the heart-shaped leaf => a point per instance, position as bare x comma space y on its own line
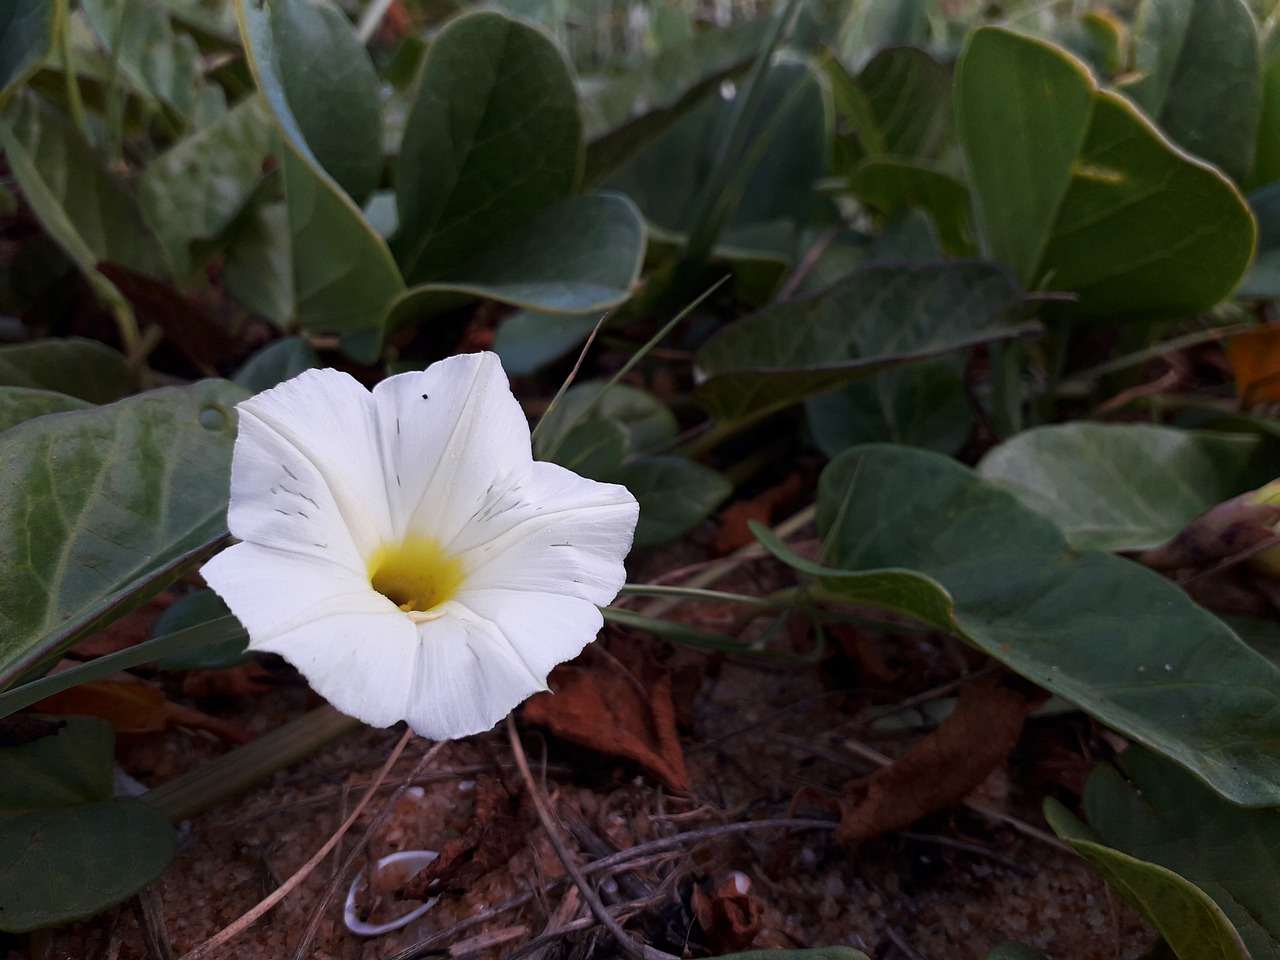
675, 495
1126, 486
879, 316
898, 105
1076, 190
106, 505
68, 849
79, 368
493, 139
1121, 642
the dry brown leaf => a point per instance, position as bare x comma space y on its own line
499, 828
130, 630
940, 770
242, 680
730, 917
135, 707
734, 532
619, 705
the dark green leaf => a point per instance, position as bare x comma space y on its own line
332, 91
26, 35
899, 104
593, 448
1126, 486
647, 421
85, 369
1263, 279
1075, 189
104, 505
200, 609
675, 495
1198, 77
1121, 642
258, 267
276, 363
493, 140
891, 185
68, 850
878, 317
527, 340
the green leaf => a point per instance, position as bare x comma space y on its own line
921, 405
594, 448
1262, 282
332, 91
202, 608
527, 341
1119, 641
86, 210
85, 369
1199, 77
646, 420
1126, 486
581, 256
879, 316
200, 185
19, 404
493, 139
1077, 191
899, 104
891, 185
344, 275
626, 112
258, 265
107, 506
27, 29
1193, 926
675, 495
276, 363
68, 850
1266, 161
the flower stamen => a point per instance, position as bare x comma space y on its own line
417, 576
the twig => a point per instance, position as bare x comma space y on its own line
248, 919
317, 914
631, 948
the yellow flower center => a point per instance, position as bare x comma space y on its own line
416, 575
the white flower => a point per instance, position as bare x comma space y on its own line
404, 550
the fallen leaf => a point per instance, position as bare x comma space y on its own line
130, 630
730, 917
940, 770
619, 705
242, 680
499, 828
135, 707
734, 532
1255, 357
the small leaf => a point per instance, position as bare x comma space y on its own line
258, 267
898, 105
493, 139
675, 495
1198, 77
879, 316
276, 363
527, 341
1075, 189
85, 369
890, 185
18, 404
593, 448
646, 420
110, 504
1126, 486
68, 850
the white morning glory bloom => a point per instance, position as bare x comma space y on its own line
404, 550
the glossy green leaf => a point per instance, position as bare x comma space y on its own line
646, 420
879, 316
921, 405
1193, 926
898, 105
594, 448
68, 849
1117, 640
1198, 77
1153, 811
332, 91
892, 185
527, 340
344, 275
493, 139
675, 495
581, 256
1077, 191
194, 190
624, 113
105, 505
19, 404
86, 210
27, 29
85, 369
276, 363
1126, 486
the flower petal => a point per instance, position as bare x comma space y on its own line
542, 629
567, 535
448, 433
310, 442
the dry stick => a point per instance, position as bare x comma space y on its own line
248, 919
300, 952
636, 951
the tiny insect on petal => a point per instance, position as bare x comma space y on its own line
411, 559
